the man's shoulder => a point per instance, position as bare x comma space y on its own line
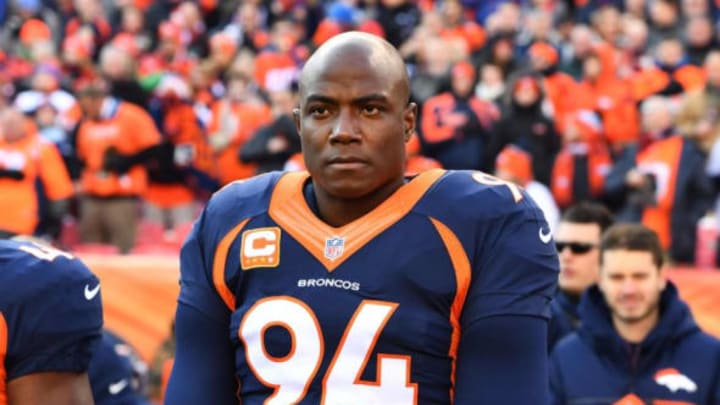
244, 198
25, 260
475, 195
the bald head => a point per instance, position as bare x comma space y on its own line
357, 47
12, 124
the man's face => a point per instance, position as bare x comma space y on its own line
90, 103
631, 284
712, 69
578, 270
353, 122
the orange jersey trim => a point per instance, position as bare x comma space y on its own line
290, 211
219, 262
3, 352
461, 266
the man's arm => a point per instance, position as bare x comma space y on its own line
50, 388
503, 360
203, 370
204, 367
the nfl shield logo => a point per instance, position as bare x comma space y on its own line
334, 247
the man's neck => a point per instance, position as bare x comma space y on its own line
338, 212
636, 332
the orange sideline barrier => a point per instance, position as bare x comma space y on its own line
139, 296
140, 292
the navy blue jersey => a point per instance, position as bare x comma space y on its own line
50, 312
372, 312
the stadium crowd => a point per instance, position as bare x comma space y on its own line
152, 106
119, 118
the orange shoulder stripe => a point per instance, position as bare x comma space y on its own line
219, 262
461, 266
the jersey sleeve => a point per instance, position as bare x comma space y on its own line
515, 270
57, 324
196, 285
201, 329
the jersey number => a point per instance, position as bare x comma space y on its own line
488, 180
44, 252
292, 374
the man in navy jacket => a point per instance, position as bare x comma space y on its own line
578, 245
637, 343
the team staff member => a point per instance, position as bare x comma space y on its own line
352, 284
26, 158
50, 323
637, 343
114, 140
578, 243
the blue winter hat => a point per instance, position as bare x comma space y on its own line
341, 13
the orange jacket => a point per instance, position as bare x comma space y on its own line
129, 129
559, 89
274, 67
242, 119
469, 32
614, 100
37, 159
563, 174
662, 159
182, 128
647, 82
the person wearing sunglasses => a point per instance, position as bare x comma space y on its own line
638, 342
577, 239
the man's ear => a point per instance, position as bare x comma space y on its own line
409, 120
296, 118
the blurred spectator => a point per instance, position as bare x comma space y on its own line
26, 20
662, 182
235, 118
612, 99
118, 67
89, 20
607, 21
278, 65
515, 165
398, 19
524, 124
457, 27
664, 21
491, 84
273, 144
500, 51
699, 39
114, 141
581, 166
248, 27
556, 85
638, 341
25, 160
457, 126
132, 23
430, 76
578, 244
184, 160
416, 161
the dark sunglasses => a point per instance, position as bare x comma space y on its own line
577, 248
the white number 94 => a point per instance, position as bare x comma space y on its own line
292, 374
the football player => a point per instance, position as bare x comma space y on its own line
50, 322
352, 284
